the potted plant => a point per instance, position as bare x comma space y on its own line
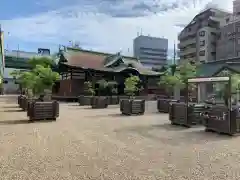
27, 81
169, 80
44, 81
101, 100
89, 92
35, 83
113, 91
132, 105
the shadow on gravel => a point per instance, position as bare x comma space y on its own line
181, 136
23, 121
74, 105
10, 107
109, 115
13, 110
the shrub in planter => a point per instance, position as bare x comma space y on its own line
100, 101
112, 88
36, 82
86, 99
132, 106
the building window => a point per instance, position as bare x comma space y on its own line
238, 41
189, 29
238, 29
202, 33
202, 43
227, 20
202, 53
238, 53
213, 34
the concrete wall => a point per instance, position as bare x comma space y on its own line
10, 87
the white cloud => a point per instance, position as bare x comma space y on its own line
95, 28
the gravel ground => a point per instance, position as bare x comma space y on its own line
100, 144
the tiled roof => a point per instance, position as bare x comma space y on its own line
103, 61
210, 69
86, 60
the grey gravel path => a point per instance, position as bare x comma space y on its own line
99, 144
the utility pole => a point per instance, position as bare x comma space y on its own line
174, 53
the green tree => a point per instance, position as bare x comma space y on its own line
44, 61
170, 80
186, 70
44, 78
132, 85
27, 81
36, 81
88, 88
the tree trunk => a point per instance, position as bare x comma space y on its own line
47, 95
176, 93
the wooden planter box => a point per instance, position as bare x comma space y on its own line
197, 113
123, 97
132, 106
85, 100
20, 100
163, 105
43, 110
99, 102
113, 100
179, 114
222, 120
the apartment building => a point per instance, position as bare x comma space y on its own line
198, 40
228, 42
151, 51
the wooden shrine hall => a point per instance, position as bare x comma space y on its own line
77, 66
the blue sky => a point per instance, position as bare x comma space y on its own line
102, 25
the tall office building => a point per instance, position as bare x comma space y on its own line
198, 40
151, 51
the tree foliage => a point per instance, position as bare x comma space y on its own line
43, 61
169, 81
88, 88
132, 85
186, 70
177, 76
38, 79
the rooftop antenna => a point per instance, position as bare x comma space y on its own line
141, 32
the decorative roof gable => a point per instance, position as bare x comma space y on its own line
102, 61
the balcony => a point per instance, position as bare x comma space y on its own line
186, 35
187, 51
187, 42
